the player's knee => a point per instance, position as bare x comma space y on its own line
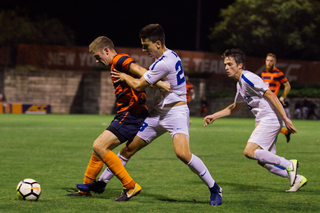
97, 146
184, 157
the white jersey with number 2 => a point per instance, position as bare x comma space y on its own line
168, 67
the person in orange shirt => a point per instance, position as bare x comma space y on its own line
131, 113
190, 92
274, 78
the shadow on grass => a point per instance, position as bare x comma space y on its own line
109, 193
167, 199
272, 189
172, 200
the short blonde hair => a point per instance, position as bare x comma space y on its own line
101, 42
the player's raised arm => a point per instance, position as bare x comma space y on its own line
229, 110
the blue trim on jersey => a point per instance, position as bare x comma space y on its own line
247, 80
155, 63
174, 53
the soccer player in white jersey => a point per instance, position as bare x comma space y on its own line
270, 117
170, 112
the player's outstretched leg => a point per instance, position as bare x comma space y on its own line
216, 195
96, 186
300, 182
129, 193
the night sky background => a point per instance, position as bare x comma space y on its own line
122, 20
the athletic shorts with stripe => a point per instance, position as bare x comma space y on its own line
169, 119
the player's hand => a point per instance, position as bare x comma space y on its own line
164, 86
281, 99
209, 119
119, 75
290, 126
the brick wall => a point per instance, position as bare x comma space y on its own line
65, 91
92, 92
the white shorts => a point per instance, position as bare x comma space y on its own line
266, 136
170, 119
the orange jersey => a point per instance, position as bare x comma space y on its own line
274, 78
189, 88
127, 98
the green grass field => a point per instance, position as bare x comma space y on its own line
55, 150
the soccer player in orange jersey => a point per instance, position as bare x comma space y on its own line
170, 112
190, 92
274, 78
131, 112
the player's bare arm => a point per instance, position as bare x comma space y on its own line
229, 110
138, 70
139, 84
286, 90
134, 83
276, 103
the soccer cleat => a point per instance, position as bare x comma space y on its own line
298, 184
129, 193
79, 194
96, 186
292, 171
216, 195
288, 136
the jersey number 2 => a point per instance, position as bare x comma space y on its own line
180, 75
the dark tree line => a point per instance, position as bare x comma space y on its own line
288, 28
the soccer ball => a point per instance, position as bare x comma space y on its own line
28, 189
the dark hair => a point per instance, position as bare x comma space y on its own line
153, 32
237, 54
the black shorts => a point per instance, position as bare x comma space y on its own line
125, 125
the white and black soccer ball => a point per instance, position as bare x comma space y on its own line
28, 189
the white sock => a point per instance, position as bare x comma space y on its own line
268, 157
107, 174
276, 170
197, 166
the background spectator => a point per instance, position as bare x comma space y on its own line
313, 106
